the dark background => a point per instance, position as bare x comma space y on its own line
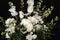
56, 12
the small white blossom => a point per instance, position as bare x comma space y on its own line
7, 36
27, 24
10, 23
31, 33
13, 11
10, 30
38, 17
33, 20
30, 9
38, 26
31, 37
21, 14
10, 3
30, 2
34, 36
35, 12
24, 32
42, 22
45, 27
30, 6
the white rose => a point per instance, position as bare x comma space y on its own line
27, 24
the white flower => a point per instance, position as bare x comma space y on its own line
21, 14
35, 12
30, 6
33, 20
27, 24
38, 17
10, 3
10, 23
7, 36
34, 36
30, 9
38, 26
31, 37
42, 22
13, 11
30, 2
29, 27
10, 30
45, 27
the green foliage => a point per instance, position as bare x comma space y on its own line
38, 5
22, 3
56, 18
47, 12
1, 19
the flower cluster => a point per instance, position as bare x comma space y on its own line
29, 22
10, 24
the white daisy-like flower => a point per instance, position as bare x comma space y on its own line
7, 36
13, 11
33, 20
27, 24
37, 26
21, 14
31, 37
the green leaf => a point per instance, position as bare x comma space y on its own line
1, 19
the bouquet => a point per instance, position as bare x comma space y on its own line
28, 25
